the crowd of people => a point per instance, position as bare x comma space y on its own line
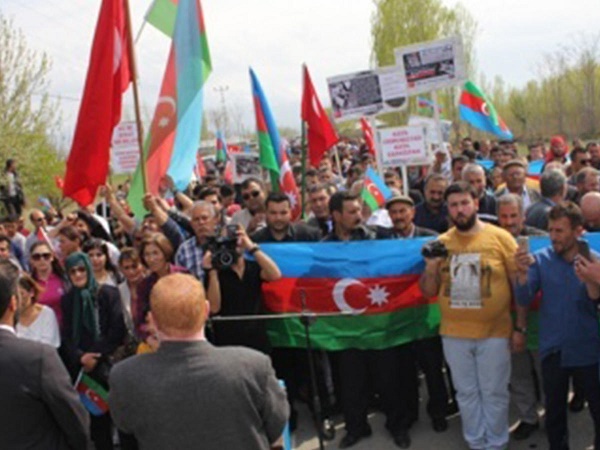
89, 279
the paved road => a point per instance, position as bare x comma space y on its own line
424, 438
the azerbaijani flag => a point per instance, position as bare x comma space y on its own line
370, 288
477, 109
221, 147
374, 191
373, 285
92, 394
272, 153
172, 142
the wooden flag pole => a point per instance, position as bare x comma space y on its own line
136, 97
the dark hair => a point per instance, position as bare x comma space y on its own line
577, 151
581, 176
391, 173
336, 202
590, 145
56, 267
9, 275
5, 238
71, 233
129, 254
569, 210
99, 244
318, 188
9, 162
355, 170
226, 190
311, 173
459, 158
28, 283
277, 197
460, 187
161, 241
207, 192
248, 181
435, 177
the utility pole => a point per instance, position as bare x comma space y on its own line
221, 90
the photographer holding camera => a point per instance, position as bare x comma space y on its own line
471, 274
241, 294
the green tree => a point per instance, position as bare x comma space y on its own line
28, 117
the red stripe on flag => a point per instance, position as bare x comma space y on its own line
373, 295
261, 123
472, 102
374, 191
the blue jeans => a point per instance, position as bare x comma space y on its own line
481, 372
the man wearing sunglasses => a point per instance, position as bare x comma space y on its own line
252, 216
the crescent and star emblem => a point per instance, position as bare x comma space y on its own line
377, 294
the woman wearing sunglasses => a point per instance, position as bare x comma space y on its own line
36, 322
93, 328
49, 275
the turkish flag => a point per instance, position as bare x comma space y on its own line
321, 134
108, 76
368, 135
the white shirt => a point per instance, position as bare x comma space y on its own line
7, 328
44, 328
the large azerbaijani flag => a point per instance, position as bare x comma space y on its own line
272, 151
478, 110
373, 285
172, 142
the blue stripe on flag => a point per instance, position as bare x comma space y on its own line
377, 181
188, 68
269, 120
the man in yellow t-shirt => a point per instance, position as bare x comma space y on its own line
473, 285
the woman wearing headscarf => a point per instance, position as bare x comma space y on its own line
93, 328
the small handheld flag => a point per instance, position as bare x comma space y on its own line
92, 394
374, 191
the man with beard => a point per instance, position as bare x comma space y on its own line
432, 213
473, 285
569, 342
359, 368
252, 216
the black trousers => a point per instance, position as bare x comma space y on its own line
101, 432
556, 389
291, 365
429, 356
363, 372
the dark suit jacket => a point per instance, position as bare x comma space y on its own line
40, 408
297, 232
191, 395
537, 214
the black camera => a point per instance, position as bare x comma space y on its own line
434, 249
224, 252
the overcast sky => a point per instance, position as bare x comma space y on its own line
276, 36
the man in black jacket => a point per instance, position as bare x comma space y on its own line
40, 408
359, 368
427, 353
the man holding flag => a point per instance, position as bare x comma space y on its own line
357, 366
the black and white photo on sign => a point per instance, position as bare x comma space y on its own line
465, 279
367, 93
434, 65
245, 165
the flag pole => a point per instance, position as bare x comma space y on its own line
303, 145
136, 98
304, 156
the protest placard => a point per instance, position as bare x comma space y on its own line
432, 65
402, 146
431, 131
125, 152
367, 93
245, 165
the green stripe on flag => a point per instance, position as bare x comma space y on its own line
162, 15
369, 199
369, 331
95, 386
